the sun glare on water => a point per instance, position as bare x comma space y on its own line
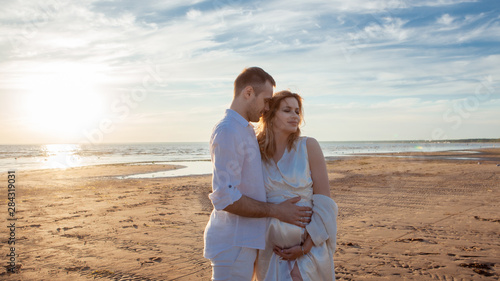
61, 156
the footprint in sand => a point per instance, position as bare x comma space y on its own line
483, 219
480, 268
408, 240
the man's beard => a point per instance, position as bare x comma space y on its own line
254, 116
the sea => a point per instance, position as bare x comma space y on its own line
194, 156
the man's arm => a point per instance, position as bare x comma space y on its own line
227, 159
286, 211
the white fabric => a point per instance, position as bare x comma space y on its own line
323, 231
234, 264
288, 178
237, 171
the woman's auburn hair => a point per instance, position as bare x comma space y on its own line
265, 134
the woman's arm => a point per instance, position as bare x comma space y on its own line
317, 165
319, 175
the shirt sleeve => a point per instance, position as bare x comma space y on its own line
227, 166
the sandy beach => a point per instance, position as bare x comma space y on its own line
414, 216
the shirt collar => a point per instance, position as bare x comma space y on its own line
236, 116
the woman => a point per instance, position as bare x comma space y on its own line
295, 166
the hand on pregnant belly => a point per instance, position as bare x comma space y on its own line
291, 210
292, 253
284, 235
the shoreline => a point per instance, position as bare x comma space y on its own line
157, 167
489, 155
68, 156
399, 218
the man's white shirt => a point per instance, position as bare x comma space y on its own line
237, 171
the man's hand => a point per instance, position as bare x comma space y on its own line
287, 211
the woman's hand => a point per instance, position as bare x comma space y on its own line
295, 252
289, 253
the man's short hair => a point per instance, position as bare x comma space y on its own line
252, 76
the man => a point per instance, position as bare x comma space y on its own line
237, 225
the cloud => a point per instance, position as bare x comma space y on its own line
193, 14
403, 103
445, 19
390, 29
383, 56
434, 3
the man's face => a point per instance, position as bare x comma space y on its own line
261, 102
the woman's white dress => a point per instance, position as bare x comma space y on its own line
288, 178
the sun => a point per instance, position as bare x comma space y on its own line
61, 105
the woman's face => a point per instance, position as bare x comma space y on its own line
287, 118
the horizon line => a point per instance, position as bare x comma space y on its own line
493, 140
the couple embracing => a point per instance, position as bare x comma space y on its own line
273, 217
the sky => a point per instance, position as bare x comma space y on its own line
96, 71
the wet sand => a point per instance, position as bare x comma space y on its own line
424, 217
